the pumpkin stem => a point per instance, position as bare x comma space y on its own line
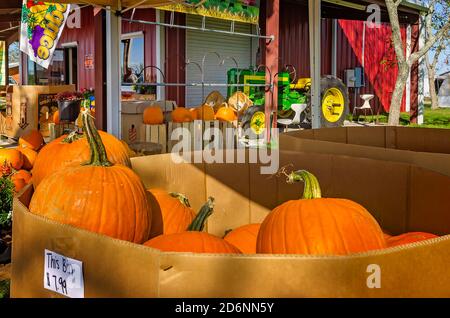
72, 136
312, 187
183, 199
199, 222
98, 151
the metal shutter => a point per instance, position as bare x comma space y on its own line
198, 43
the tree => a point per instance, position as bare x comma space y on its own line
405, 64
439, 16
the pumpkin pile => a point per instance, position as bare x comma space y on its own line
317, 226
99, 194
17, 163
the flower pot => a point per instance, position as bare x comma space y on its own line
69, 109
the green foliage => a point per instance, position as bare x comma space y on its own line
6, 201
4, 289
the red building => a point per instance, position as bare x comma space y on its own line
345, 44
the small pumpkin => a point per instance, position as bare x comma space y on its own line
153, 115
193, 112
32, 140
407, 238
205, 112
193, 240
244, 237
318, 226
23, 174
29, 157
74, 149
181, 115
12, 157
97, 195
56, 118
19, 183
226, 113
172, 212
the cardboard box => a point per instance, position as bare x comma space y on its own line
423, 147
19, 120
391, 137
401, 196
131, 116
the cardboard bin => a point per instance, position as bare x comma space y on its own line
424, 147
401, 196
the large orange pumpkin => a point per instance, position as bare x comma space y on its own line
205, 112
244, 238
153, 115
407, 238
29, 157
56, 118
181, 115
193, 240
74, 149
32, 140
226, 113
12, 157
172, 212
319, 226
97, 196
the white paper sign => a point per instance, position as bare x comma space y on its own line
63, 275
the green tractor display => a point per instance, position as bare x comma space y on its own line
334, 97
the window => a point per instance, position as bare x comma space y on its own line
54, 75
132, 59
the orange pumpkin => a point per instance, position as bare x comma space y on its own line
408, 238
318, 226
32, 140
193, 240
12, 157
205, 112
22, 174
98, 196
193, 112
181, 115
56, 118
19, 183
226, 113
73, 149
244, 238
172, 212
29, 157
153, 115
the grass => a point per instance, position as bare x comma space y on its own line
433, 118
4, 289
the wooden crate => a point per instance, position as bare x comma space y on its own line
156, 134
57, 130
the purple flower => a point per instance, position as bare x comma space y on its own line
38, 33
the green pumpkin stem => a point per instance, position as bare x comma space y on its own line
181, 197
98, 151
71, 137
312, 187
199, 222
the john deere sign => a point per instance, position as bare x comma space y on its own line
236, 10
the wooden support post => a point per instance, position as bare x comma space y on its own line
314, 49
100, 68
271, 98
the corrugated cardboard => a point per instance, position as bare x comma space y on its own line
401, 138
367, 145
396, 193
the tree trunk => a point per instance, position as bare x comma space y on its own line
397, 95
433, 93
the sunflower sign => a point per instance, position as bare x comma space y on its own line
42, 25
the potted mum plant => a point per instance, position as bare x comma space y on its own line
69, 104
6, 202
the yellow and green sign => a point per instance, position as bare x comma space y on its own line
246, 11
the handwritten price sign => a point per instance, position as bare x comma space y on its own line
63, 275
